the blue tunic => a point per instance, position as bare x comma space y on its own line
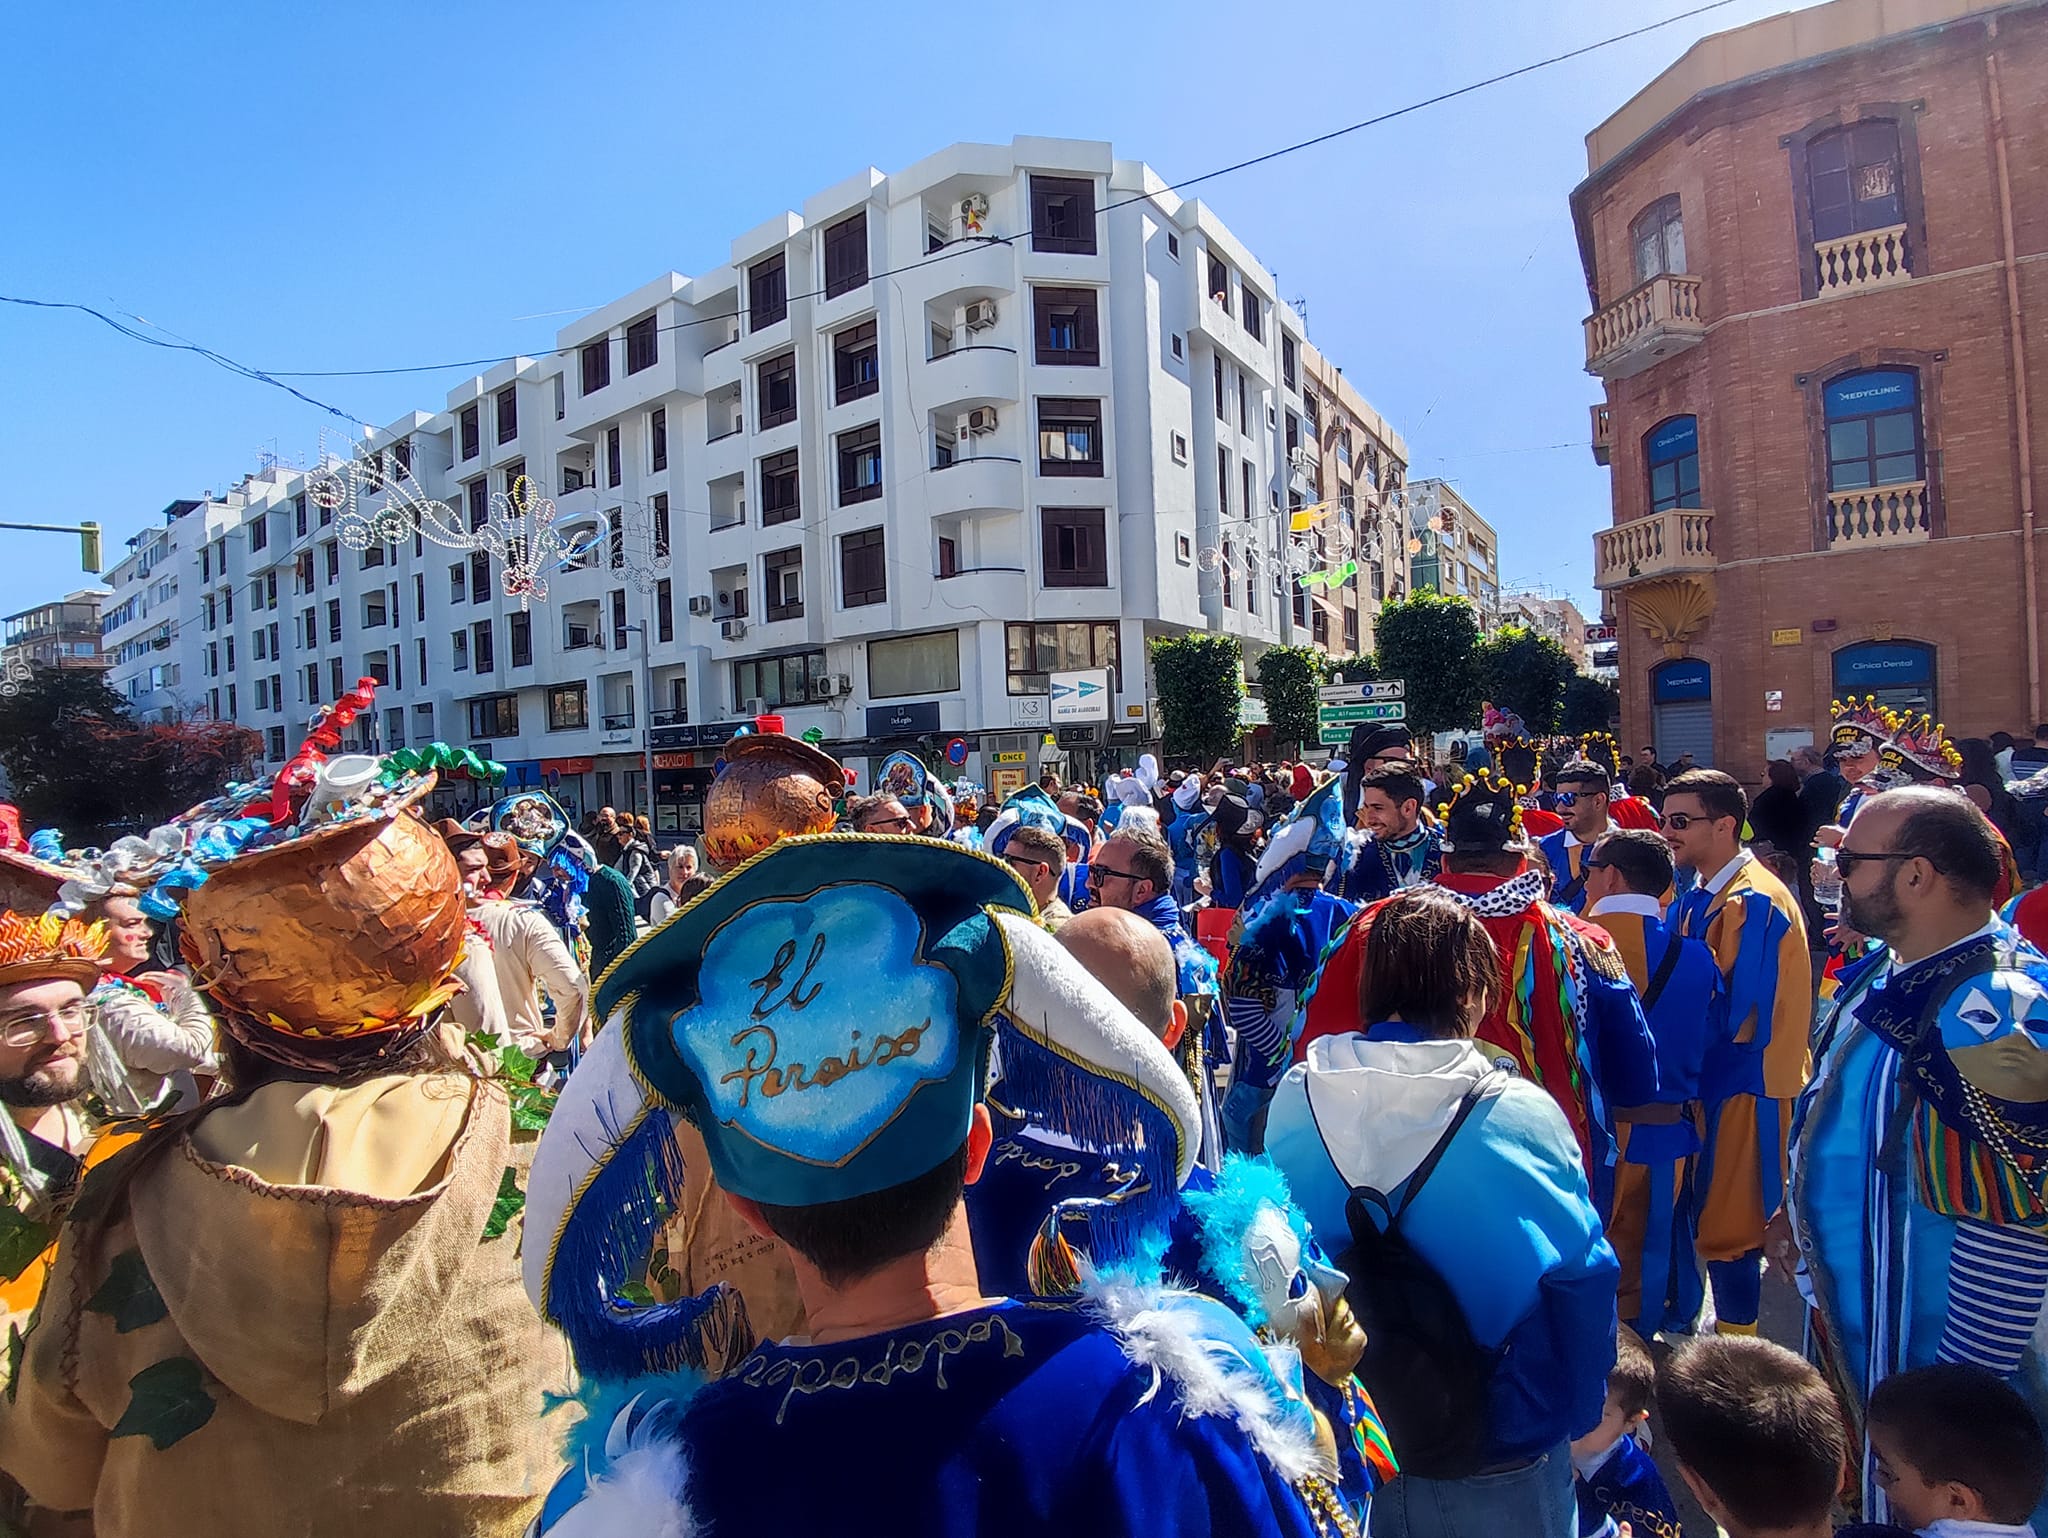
1379, 869
1626, 1488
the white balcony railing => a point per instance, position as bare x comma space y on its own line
1664, 544
1878, 517
1648, 323
1868, 259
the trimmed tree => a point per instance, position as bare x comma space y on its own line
1428, 641
1359, 668
1590, 705
1525, 672
1290, 676
1199, 680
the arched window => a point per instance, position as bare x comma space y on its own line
1671, 450
1658, 239
1874, 434
1854, 181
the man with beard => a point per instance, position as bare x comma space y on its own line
1401, 848
1919, 1213
1583, 790
1748, 1083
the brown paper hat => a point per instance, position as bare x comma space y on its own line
772, 786
346, 930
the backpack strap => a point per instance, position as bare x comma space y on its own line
1665, 967
1480, 1089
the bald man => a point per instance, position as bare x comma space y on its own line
1132, 960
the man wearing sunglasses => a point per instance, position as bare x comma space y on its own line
1041, 859
1582, 795
1930, 1078
1755, 929
879, 814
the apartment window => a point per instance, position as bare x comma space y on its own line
302, 573
568, 707
618, 619
614, 469
1178, 442
1074, 547
856, 367
520, 626
775, 681
1069, 437
1228, 569
259, 532
423, 722
767, 292
333, 571
909, 665
664, 610
401, 457
846, 255
643, 344
1063, 214
863, 569
312, 683
231, 654
779, 493
1035, 651
1853, 179
1063, 327
1219, 284
657, 438
1244, 411
458, 644
860, 464
420, 656
1657, 237
1251, 581
783, 574
334, 677
1253, 309
661, 525
1289, 363
1671, 450
479, 492
479, 576
1874, 433
277, 738
1223, 483
271, 632
458, 584
596, 358
1319, 625
508, 413
299, 517
482, 646
334, 619
227, 603
231, 702
561, 398
419, 595
775, 389
373, 555
1179, 351
1173, 245
472, 438
616, 542
374, 612
1249, 503
1222, 413
309, 626
949, 557
495, 715
378, 667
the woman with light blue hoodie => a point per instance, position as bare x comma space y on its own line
1502, 1216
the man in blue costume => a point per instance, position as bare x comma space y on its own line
1918, 1200
1284, 928
1401, 848
1679, 984
846, 1119
1582, 794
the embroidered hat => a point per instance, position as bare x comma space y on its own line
1921, 748
1482, 816
1030, 807
825, 1016
904, 777
533, 817
40, 947
1369, 741
1859, 724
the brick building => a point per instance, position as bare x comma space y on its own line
1814, 248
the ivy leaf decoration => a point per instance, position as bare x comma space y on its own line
17, 1346
22, 1240
510, 1200
167, 1403
128, 1296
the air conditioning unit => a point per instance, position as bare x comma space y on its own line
733, 630
821, 689
981, 420
701, 605
833, 686
981, 314
973, 211
841, 684
755, 706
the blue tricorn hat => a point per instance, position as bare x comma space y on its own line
905, 777
825, 1016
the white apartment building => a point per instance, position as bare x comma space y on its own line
1014, 410
150, 650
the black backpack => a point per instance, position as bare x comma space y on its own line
1422, 1367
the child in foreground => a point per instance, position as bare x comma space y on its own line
1958, 1455
1757, 1434
1616, 1481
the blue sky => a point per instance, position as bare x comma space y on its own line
323, 187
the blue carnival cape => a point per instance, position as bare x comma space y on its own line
1919, 1193
1271, 966
1379, 868
1626, 1488
1139, 1412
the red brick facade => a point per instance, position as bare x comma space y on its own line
1735, 156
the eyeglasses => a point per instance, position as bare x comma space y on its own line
1023, 863
1846, 860
1097, 874
30, 1027
1678, 822
1586, 865
885, 824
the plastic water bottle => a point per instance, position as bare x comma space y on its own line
1827, 887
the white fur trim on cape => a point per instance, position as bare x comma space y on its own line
639, 1496
1210, 1375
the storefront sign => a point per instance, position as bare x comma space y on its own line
904, 720
1880, 390
1689, 678
1013, 758
1081, 696
1774, 699
672, 737
1676, 438
567, 765
1789, 637
675, 760
1883, 665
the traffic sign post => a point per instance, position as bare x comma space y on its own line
1358, 694
1342, 708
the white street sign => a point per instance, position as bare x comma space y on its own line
1358, 694
1081, 696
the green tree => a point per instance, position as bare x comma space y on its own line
1590, 705
1200, 684
1290, 676
1428, 642
1359, 668
1525, 672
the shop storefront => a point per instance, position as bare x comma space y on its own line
1682, 710
1899, 673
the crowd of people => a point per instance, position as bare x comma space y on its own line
1368, 1146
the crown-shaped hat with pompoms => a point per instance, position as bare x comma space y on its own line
1482, 815
1859, 724
1921, 746
1601, 748
40, 947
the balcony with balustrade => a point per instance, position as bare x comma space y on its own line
1603, 433
1651, 322
1673, 543
1878, 517
1866, 259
